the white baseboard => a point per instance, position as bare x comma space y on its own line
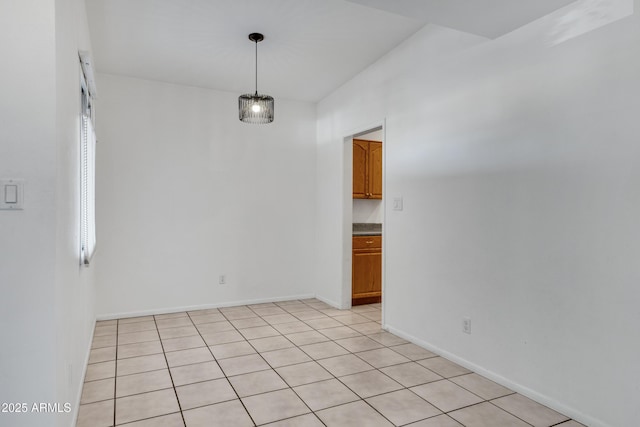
328, 301
110, 316
76, 407
525, 391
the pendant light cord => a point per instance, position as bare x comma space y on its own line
255, 108
256, 67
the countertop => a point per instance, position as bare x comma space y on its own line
367, 229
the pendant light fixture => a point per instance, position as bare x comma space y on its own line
255, 108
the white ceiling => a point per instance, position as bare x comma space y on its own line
488, 18
311, 47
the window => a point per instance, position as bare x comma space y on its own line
87, 165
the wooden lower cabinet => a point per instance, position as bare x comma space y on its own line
366, 271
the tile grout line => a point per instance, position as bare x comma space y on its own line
219, 367
164, 354
329, 372
298, 347
403, 387
225, 374
514, 415
278, 373
329, 340
215, 359
334, 376
289, 387
373, 368
173, 386
313, 359
115, 378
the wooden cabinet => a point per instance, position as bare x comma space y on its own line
375, 170
366, 271
367, 169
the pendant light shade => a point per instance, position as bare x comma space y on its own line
256, 108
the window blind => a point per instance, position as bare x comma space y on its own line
87, 173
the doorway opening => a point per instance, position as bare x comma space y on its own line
363, 191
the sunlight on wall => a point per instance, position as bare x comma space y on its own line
587, 15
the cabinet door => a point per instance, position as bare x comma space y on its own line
360, 149
367, 274
375, 170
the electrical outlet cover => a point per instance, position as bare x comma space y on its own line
466, 325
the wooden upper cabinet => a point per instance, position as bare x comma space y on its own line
375, 170
360, 165
367, 169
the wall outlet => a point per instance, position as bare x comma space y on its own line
222, 280
466, 325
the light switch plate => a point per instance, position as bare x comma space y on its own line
11, 194
397, 203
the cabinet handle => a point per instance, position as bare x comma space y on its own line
369, 241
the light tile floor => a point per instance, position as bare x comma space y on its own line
291, 363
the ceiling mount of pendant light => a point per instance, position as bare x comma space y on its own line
255, 108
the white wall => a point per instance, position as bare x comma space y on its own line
518, 162
186, 192
74, 284
368, 211
27, 246
46, 304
